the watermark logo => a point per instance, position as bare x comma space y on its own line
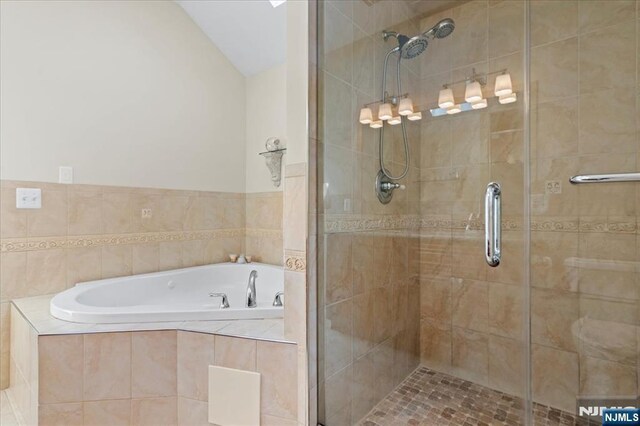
611, 411
623, 416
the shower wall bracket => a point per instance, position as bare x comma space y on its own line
273, 160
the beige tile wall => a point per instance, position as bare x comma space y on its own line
584, 303
86, 232
297, 290
264, 217
472, 315
585, 300
583, 61
138, 378
367, 252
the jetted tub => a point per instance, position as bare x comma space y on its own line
177, 295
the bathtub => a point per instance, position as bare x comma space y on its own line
177, 295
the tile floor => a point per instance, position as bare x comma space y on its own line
7, 418
430, 398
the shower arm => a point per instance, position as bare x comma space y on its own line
404, 130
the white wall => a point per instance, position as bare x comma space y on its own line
128, 93
266, 117
297, 82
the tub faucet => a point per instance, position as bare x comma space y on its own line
251, 290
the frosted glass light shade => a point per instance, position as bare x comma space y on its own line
482, 103
376, 124
503, 85
508, 99
454, 110
395, 120
405, 107
384, 113
445, 98
415, 116
366, 116
473, 92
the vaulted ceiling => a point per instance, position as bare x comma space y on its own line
250, 33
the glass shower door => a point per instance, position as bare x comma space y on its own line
414, 325
584, 239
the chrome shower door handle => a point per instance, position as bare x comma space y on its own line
492, 224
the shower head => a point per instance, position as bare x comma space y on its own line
442, 29
412, 47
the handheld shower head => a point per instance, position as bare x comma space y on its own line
411, 47
442, 29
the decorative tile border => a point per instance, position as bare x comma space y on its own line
46, 243
295, 261
263, 233
360, 223
353, 223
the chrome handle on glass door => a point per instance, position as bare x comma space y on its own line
492, 224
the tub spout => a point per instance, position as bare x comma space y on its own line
251, 290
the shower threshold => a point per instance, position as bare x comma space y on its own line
430, 398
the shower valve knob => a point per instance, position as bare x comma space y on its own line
387, 186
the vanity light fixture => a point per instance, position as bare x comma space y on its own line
473, 97
508, 99
473, 92
405, 107
385, 112
503, 85
482, 103
366, 116
395, 120
454, 109
445, 98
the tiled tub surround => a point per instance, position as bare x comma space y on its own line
86, 232
264, 219
156, 377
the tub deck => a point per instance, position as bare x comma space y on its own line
36, 311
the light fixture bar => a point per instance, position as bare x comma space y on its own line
388, 99
480, 78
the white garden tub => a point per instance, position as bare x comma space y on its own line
177, 295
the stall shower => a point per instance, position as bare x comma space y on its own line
490, 274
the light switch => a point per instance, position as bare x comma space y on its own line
65, 174
28, 198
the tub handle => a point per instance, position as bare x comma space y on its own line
224, 304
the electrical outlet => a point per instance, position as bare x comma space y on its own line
553, 187
146, 214
28, 198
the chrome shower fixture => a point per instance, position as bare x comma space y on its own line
411, 47
442, 29
407, 48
